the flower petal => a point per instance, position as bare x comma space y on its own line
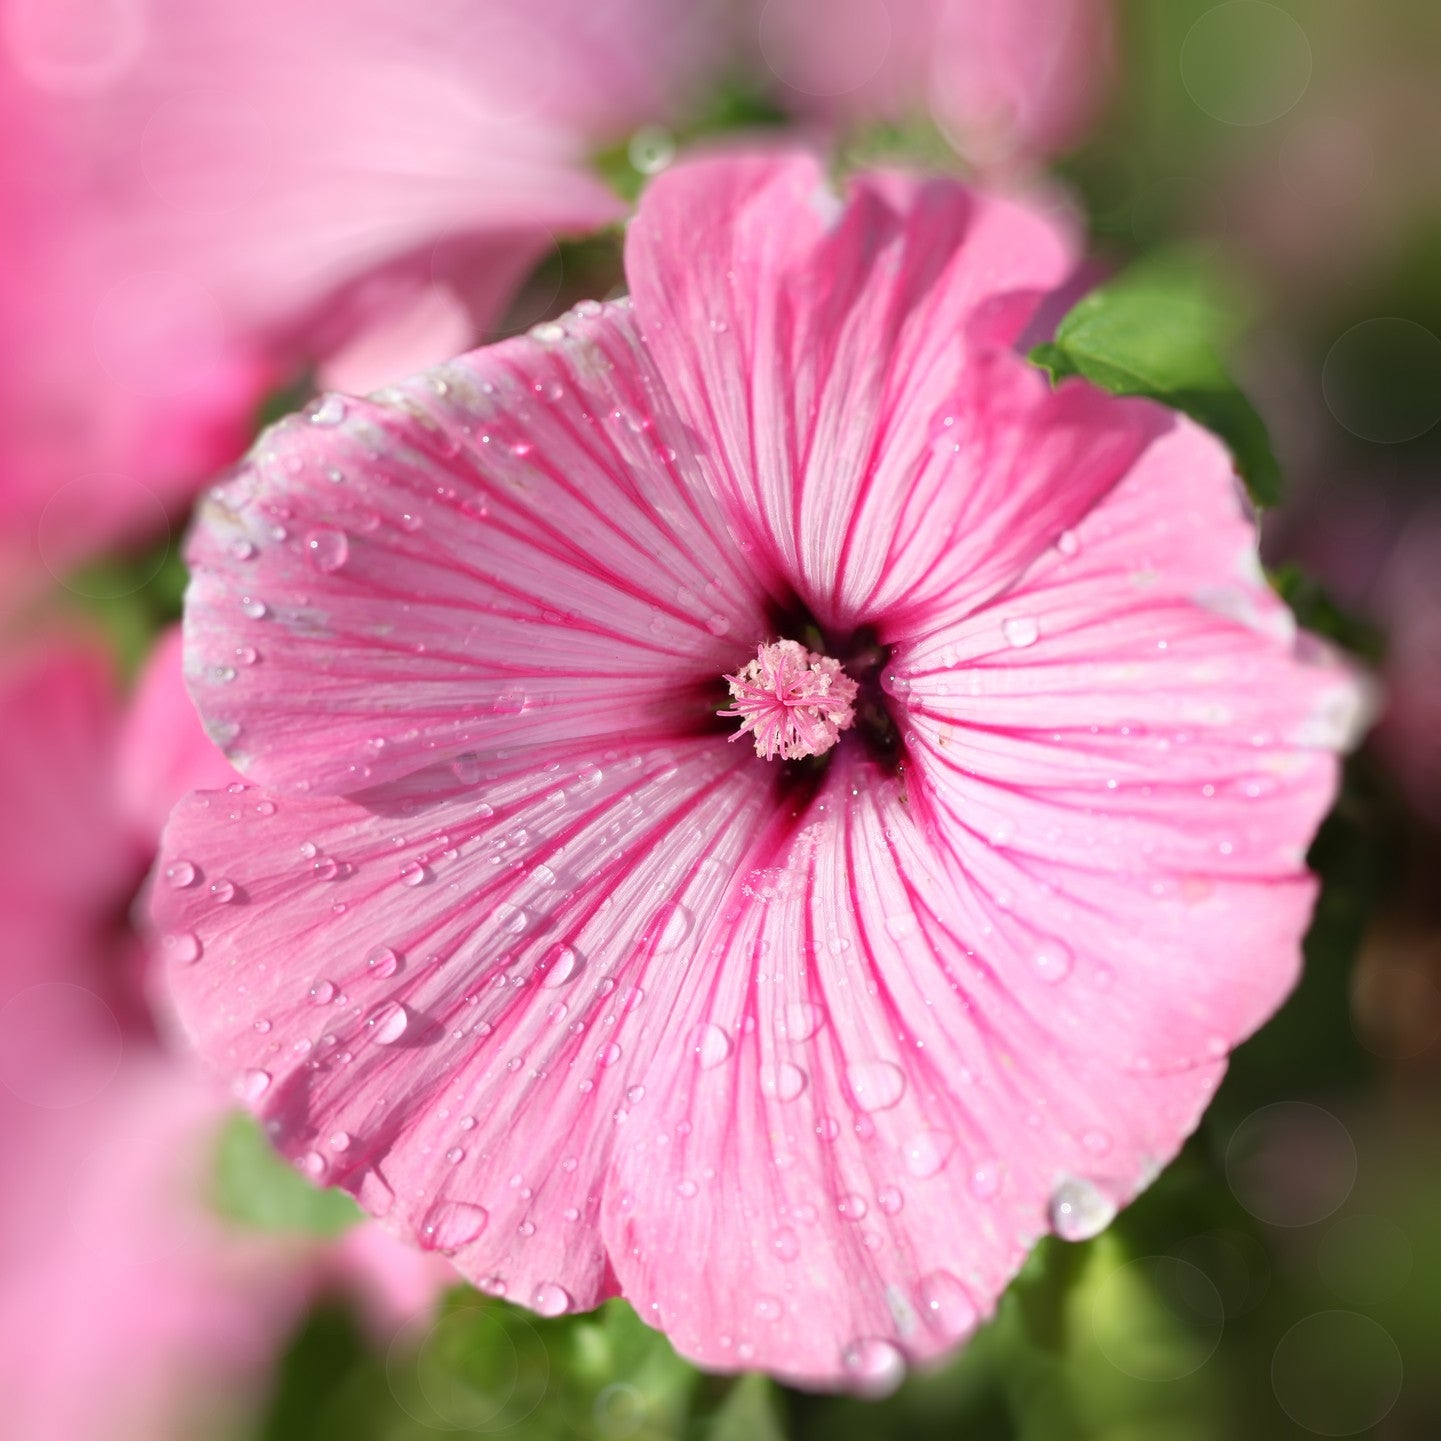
902, 1104
518, 548
443, 996
817, 343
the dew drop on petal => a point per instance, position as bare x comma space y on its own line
985, 1181
449, 1225
786, 1244
712, 1045
222, 891
179, 874
671, 926
252, 1085
876, 1366
550, 1299
559, 965
876, 1085
382, 963
510, 918
1080, 1210
927, 1152
1020, 630
946, 1305
388, 1023
328, 410
891, 1200
1052, 960
783, 1081
182, 947
327, 548
322, 993
801, 1020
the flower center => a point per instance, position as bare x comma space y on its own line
794, 702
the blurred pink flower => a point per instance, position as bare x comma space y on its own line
198, 201
1006, 80
799, 1057
128, 1310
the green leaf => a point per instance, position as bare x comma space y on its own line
1159, 331
749, 1412
255, 1187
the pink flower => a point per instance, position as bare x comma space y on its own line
1005, 80
801, 1057
129, 1310
198, 202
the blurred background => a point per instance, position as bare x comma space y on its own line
209, 209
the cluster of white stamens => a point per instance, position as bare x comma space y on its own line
794, 702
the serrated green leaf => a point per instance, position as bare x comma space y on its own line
1158, 331
255, 1187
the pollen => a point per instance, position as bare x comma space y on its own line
793, 702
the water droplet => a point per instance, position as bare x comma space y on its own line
1020, 630
510, 918
927, 1152
712, 1045
550, 1299
1080, 1210
252, 1085
179, 874
876, 1365
1052, 959
388, 1023
449, 1225
327, 548
1068, 543
609, 1054
786, 1244
801, 1020
784, 1081
985, 1180
946, 1305
253, 607
901, 925
182, 947
768, 1308
412, 873
671, 926
340, 1141
382, 963
890, 1200
222, 891
876, 1085
559, 965
242, 550
328, 410
853, 1207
